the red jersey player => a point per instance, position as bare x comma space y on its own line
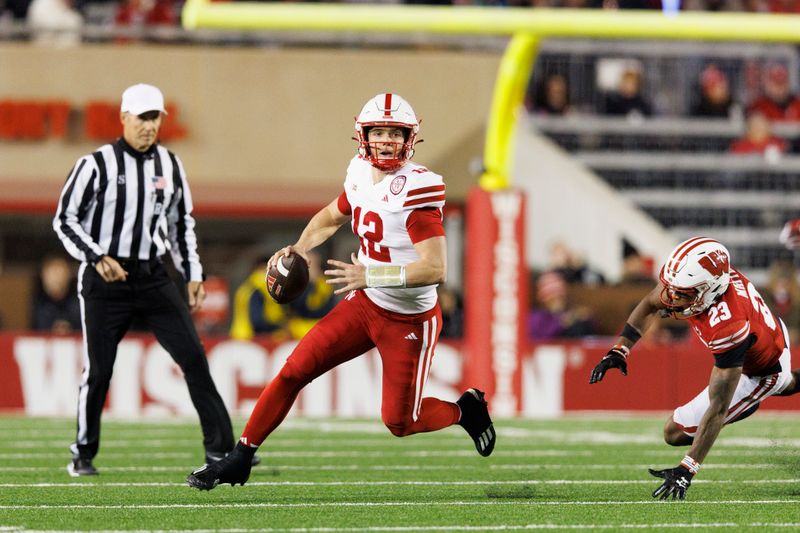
394, 207
749, 344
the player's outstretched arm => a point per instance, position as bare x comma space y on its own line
721, 386
638, 321
318, 230
677, 480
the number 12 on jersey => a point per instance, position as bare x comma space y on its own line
372, 234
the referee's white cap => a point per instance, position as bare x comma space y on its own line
141, 98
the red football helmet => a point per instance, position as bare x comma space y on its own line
695, 274
387, 110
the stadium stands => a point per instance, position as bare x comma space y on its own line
676, 167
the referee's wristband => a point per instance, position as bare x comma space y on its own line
386, 276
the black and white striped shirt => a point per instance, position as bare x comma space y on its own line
129, 204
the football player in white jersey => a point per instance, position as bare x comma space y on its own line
394, 207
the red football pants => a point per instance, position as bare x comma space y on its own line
406, 345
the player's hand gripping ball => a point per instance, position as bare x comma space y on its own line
288, 278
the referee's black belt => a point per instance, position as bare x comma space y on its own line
135, 267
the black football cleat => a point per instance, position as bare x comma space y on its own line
233, 468
476, 420
80, 466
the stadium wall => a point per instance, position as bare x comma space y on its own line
41, 376
253, 116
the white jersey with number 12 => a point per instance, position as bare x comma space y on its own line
381, 214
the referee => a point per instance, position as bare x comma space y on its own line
121, 209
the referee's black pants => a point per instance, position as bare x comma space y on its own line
107, 310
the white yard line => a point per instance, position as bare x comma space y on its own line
392, 468
706, 466
79, 484
499, 527
389, 453
540, 438
141, 455
277, 452
457, 503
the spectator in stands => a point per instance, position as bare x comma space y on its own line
635, 267
54, 23
16, 9
758, 139
140, 14
314, 303
256, 313
715, 96
572, 267
550, 97
574, 4
783, 6
782, 295
628, 99
452, 312
790, 234
254, 310
777, 103
55, 305
631, 4
554, 316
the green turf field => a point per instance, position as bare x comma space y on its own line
345, 475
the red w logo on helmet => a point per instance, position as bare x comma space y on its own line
716, 262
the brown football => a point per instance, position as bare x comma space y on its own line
288, 278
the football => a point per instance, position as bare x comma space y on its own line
288, 278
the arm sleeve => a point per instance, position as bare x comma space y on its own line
425, 223
73, 204
181, 226
735, 356
344, 204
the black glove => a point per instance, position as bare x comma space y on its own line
615, 358
676, 482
